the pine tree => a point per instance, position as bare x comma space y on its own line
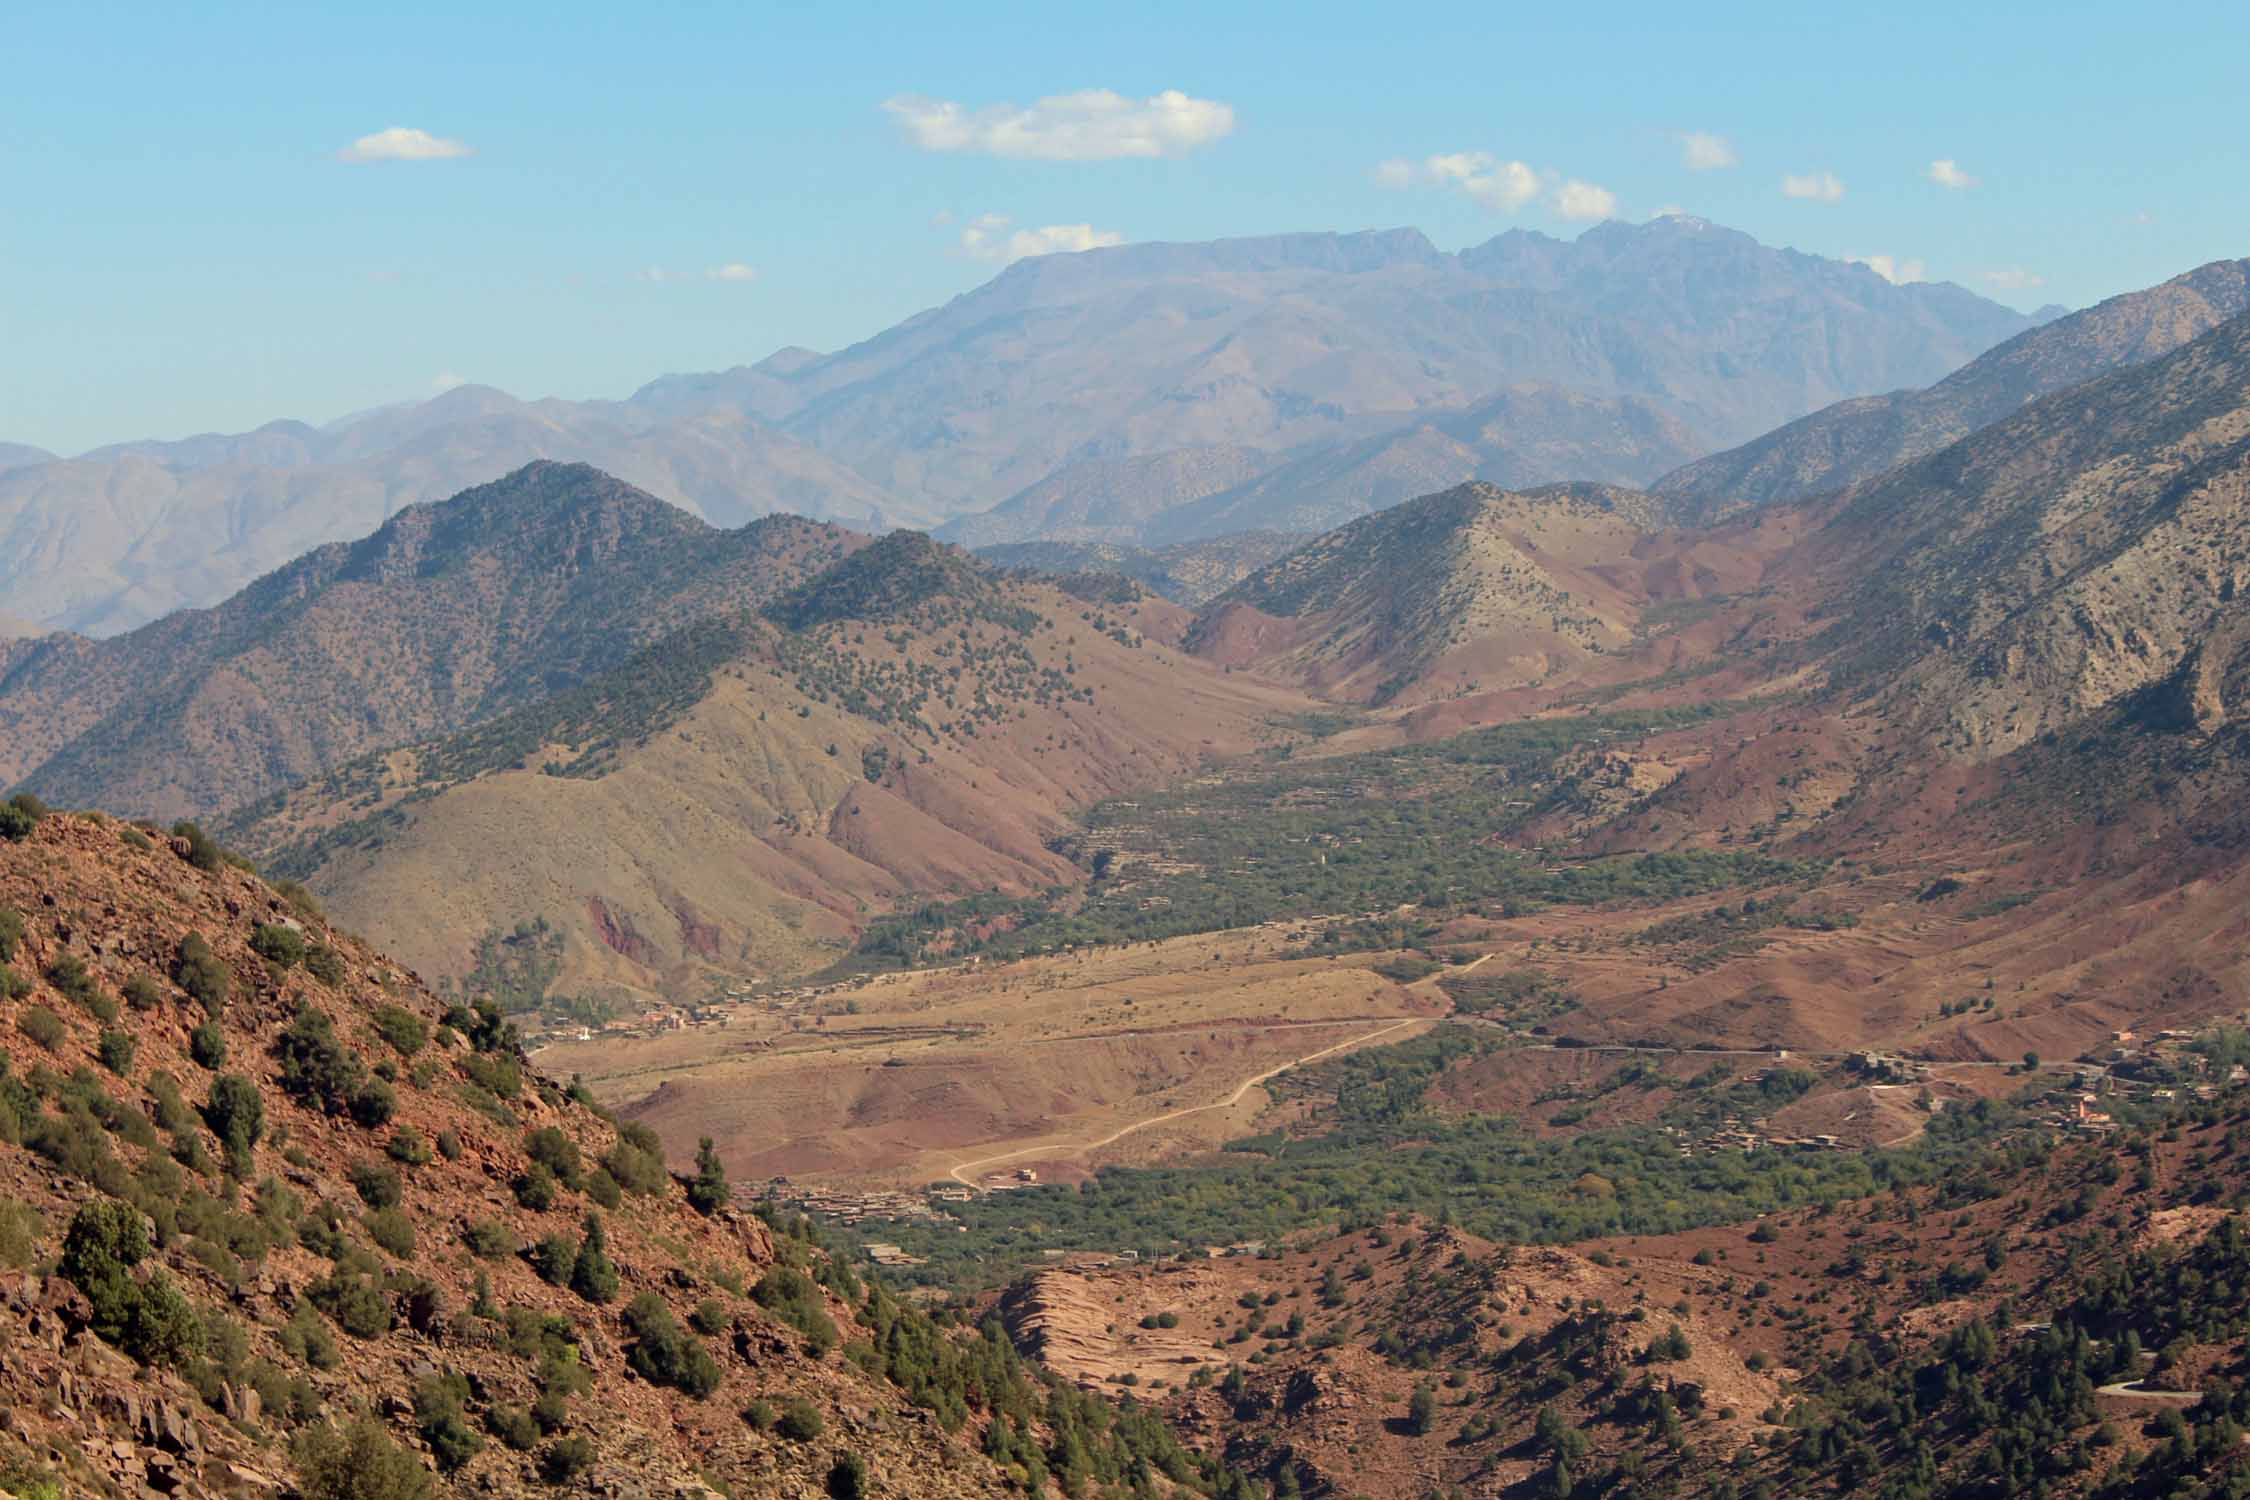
708, 1192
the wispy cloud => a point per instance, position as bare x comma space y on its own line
403, 143
1893, 269
989, 237
1503, 185
1701, 151
2013, 279
1089, 125
1947, 173
733, 270
1583, 200
1820, 187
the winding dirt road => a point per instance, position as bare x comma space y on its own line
960, 1172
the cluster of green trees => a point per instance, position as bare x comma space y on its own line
1387, 1154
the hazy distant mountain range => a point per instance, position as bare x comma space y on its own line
1287, 383
1858, 439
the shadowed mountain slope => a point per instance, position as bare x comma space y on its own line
449, 614
1859, 439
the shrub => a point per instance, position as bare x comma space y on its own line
513, 1426
207, 1046
565, 1459
373, 1104
554, 1258
71, 981
535, 1188
143, 993
11, 932
489, 1239
16, 823
438, 1417
359, 1462
603, 1188
43, 1026
709, 1316
407, 1147
202, 852
707, 1191
449, 1144
163, 1329
593, 1275
21, 1231
149, 1320
279, 945
355, 1302
116, 1050
306, 1338
801, 1421
377, 1185
555, 1151
407, 1032
326, 965
638, 1169
392, 1230
316, 1068
663, 1353
236, 1113
13, 986
197, 970
761, 1415
847, 1478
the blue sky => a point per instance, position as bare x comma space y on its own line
650, 188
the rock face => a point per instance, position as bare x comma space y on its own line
2061, 560
1856, 440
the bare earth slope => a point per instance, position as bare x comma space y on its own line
906, 724
447, 615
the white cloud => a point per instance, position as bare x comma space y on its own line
1505, 186
1821, 187
1701, 151
2014, 279
402, 143
656, 273
1089, 125
1892, 269
733, 270
1947, 173
987, 237
1583, 200
447, 382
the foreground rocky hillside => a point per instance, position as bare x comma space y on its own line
276, 1220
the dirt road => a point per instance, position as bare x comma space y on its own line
959, 1173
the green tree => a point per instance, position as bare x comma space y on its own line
593, 1275
236, 1113
707, 1192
